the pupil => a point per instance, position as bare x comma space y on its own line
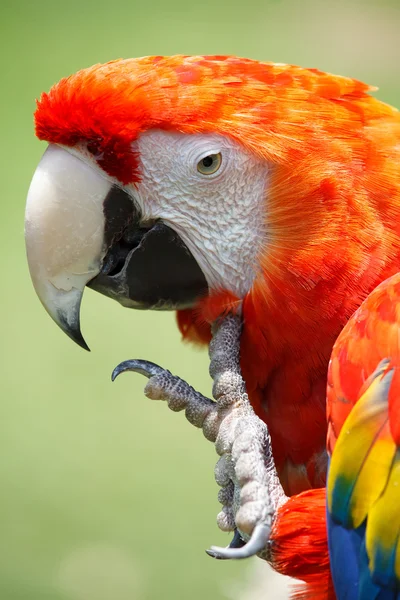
208, 161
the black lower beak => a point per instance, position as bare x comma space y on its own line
147, 265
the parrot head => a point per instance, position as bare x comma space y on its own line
138, 195
170, 180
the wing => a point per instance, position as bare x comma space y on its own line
363, 491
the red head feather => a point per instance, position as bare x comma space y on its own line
252, 102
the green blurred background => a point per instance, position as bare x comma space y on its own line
105, 495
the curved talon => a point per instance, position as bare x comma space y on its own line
214, 554
144, 367
236, 542
256, 543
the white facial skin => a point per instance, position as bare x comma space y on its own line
220, 217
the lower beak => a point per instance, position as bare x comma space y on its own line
80, 230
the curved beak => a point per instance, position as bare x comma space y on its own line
81, 229
64, 233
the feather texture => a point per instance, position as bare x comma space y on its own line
363, 493
299, 546
332, 210
364, 475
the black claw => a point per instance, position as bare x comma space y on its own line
144, 367
237, 540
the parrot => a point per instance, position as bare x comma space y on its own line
210, 185
351, 529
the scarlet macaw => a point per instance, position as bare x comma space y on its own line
205, 183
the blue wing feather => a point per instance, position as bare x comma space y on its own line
349, 565
344, 552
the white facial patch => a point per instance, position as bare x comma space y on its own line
219, 216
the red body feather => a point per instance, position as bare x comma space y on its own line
332, 211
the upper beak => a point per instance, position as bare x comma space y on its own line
81, 229
64, 233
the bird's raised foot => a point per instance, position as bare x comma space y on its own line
250, 490
179, 395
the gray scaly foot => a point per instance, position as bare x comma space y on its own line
250, 489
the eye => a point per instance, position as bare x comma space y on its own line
209, 164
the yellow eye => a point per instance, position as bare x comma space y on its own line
209, 164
